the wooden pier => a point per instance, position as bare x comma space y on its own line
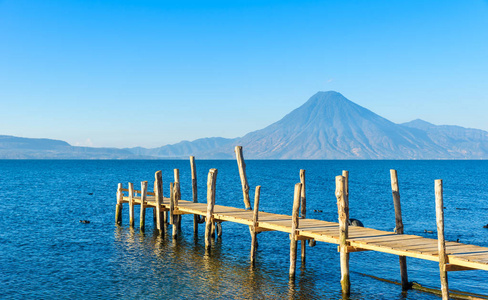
451, 256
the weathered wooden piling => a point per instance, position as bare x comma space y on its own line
443, 259
294, 228
142, 216
171, 204
255, 216
158, 195
211, 183
131, 204
343, 211
178, 194
242, 173
303, 210
395, 190
118, 206
176, 218
194, 192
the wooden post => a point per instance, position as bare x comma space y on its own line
294, 227
211, 182
118, 206
171, 204
343, 211
254, 240
443, 259
176, 218
142, 217
158, 195
345, 174
195, 192
395, 190
242, 173
177, 195
131, 204
303, 210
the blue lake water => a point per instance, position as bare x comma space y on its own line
46, 253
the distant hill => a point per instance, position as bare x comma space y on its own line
210, 148
327, 126
12, 147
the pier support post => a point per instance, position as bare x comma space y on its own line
343, 211
254, 238
171, 204
303, 211
176, 218
142, 217
242, 173
211, 182
177, 195
443, 259
395, 190
118, 206
294, 228
194, 192
131, 204
158, 195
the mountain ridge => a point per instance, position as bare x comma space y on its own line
326, 126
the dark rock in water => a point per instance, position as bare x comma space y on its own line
90, 194
486, 226
355, 222
85, 221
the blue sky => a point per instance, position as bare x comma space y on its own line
148, 73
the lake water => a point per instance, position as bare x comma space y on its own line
46, 253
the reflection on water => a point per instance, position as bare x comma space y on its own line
182, 266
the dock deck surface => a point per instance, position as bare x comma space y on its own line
460, 256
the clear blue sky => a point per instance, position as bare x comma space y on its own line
148, 73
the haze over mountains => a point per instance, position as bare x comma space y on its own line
327, 126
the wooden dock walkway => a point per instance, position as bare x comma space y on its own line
360, 239
452, 256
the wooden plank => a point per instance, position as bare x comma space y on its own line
118, 206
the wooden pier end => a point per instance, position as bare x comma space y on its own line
142, 217
303, 211
118, 206
254, 238
211, 183
343, 211
194, 193
395, 190
242, 173
294, 228
443, 259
